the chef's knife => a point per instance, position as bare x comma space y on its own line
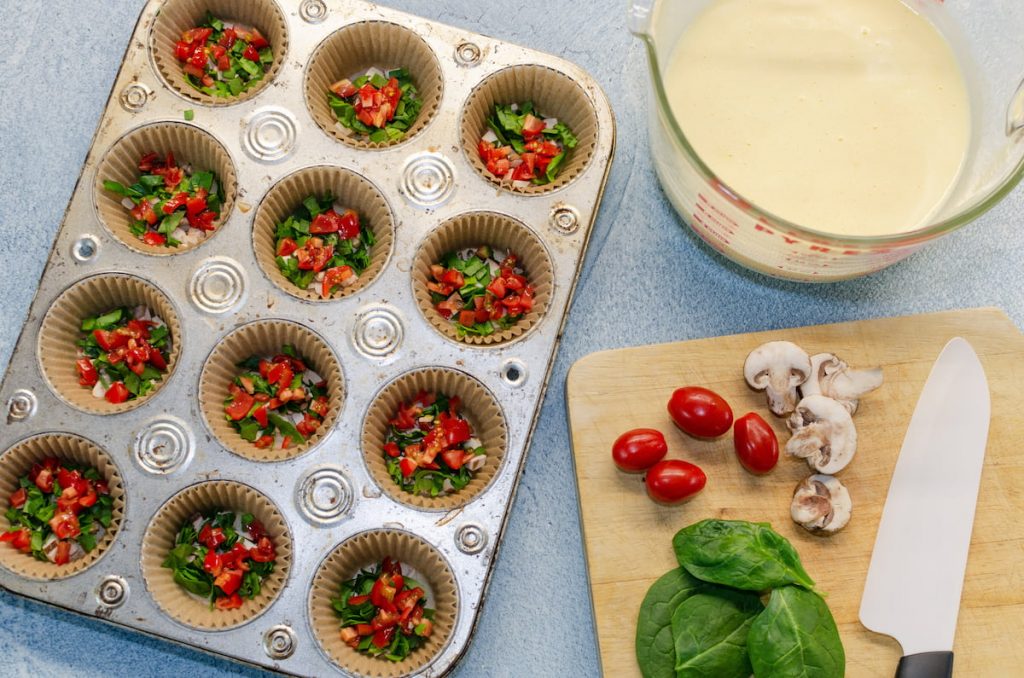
917, 568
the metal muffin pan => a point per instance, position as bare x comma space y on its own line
327, 494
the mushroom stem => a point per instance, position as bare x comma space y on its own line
821, 504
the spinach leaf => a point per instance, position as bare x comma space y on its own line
710, 630
655, 647
743, 555
796, 636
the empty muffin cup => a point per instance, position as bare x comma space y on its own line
355, 49
350, 191
62, 328
554, 95
478, 406
19, 459
265, 339
159, 539
178, 16
190, 146
501, 232
419, 560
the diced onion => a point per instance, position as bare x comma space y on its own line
476, 462
128, 204
490, 137
550, 122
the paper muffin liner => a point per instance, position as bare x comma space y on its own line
363, 551
479, 407
266, 338
501, 232
159, 538
350, 190
17, 461
555, 95
351, 51
190, 145
61, 330
178, 16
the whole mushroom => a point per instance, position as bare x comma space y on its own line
821, 504
823, 434
778, 368
833, 378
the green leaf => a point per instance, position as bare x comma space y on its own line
552, 170
194, 581
655, 647
287, 428
190, 115
120, 189
796, 637
743, 555
710, 630
249, 429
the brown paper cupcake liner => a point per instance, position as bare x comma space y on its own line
190, 145
266, 338
479, 407
178, 16
499, 231
553, 94
159, 539
61, 329
17, 461
363, 551
354, 49
350, 190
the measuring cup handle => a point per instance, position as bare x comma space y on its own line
640, 13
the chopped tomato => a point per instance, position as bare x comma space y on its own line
241, 403
383, 592
257, 40
454, 459
280, 374
467, 318
154, 239
325, 222
350, 636
203, 221
211, 537
65, 525
144, 212
256, 530
308, 425
87, 374
195, 205
232, 602
407, 466
173, 177
108, 341
117, 393
229, 581
349, 225
260, 414
286, 247
20, 539
358, 600
342, 276
264, 551
532, 127
156, 359
263, 442
18, 498
320, 406
383, 637
213, 563
343, 88
63, 554
391, 449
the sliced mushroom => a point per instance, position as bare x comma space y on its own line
823, 434
832, 377
821, 504
778, 368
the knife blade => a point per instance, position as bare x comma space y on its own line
913, 587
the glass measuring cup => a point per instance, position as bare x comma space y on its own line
992, 57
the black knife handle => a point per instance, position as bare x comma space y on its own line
926, 665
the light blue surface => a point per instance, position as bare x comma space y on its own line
646, 280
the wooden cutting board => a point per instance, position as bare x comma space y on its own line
629, 538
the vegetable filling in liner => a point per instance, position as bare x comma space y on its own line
500, 232
350, 191
553, 94
160, 536
363, 551
178, 16
19, 459
478, 406
190, 146
265, 339
351, 52
62, 328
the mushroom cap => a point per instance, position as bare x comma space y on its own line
821, 504
778, 368
823, 434
832, 377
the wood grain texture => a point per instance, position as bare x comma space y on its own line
628, 537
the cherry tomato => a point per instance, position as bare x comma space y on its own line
673, 480
756, 444
638, 450
700, 412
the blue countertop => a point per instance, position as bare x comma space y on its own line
55, 76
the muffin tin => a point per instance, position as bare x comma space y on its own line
334, 507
